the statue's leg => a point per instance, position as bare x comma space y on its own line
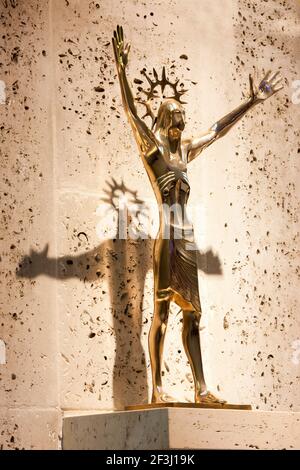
156, 344
191, 342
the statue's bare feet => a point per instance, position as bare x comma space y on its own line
162, 397
208, 398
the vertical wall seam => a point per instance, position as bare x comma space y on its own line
52, 74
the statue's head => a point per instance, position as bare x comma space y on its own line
170, 118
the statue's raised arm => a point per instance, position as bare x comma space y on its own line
271, 83
143, 135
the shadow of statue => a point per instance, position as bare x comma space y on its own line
124, 264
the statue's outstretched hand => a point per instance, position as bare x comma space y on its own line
271, 83
121, 51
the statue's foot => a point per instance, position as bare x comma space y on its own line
208, 398
162, 398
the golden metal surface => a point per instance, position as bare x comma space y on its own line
165, 155
222, 406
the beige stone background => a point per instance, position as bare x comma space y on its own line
74, 319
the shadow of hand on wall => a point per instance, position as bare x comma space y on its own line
124, 264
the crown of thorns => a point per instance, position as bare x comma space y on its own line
152, 92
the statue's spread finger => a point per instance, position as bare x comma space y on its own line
267, 76
277, 88
277, 81
120, 33
273, 75
117, 34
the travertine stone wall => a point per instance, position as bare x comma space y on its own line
29, 414
75, 318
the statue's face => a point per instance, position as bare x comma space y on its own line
177, 123
178, 119
171, 118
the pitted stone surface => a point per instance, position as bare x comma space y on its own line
75, 319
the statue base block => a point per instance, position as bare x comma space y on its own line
182, 427
219, 406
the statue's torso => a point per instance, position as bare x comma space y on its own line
168, 176
175, 261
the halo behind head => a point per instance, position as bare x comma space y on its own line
151, 93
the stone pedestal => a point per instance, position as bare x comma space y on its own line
182, 428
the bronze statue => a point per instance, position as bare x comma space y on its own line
165, 155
